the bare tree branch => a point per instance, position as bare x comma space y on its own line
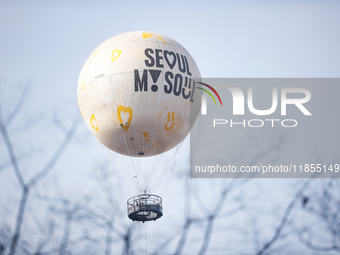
61, 127
19, 104
184, 234
57, 155
19, 220
162, 246
66, 233
325, 205
108, 239
127, 242
8, 163
212, 217
41, 174
2, 249
11, 152
187, 216
47, 239
317, 247
285, 217
88, 211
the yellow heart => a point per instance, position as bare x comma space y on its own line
160, 38
121, 109
113, 53
147, 35
93, 126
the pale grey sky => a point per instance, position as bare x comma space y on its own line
47, 43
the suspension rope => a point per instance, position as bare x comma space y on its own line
110, 154
136, 170
146, 241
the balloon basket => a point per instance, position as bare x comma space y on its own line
145, 207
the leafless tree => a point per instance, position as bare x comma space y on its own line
89, 226
27, 186
323, 206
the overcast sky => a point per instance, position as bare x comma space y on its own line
47, 43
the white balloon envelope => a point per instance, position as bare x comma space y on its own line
136, 93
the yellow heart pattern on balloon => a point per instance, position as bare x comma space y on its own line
146, 35
160, 38
115, 54
121, 109
95, 127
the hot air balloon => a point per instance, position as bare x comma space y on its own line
136, 93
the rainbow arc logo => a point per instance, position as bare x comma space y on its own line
213, 90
